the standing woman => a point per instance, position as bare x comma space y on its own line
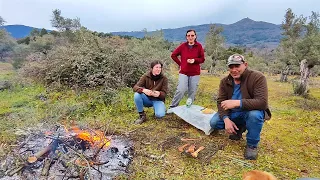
150, 91
191, 56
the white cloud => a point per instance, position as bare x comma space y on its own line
131, 15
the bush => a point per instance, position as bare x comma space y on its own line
299, 89
308, 104
90, 61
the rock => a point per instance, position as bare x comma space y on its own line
4, 85
42, 97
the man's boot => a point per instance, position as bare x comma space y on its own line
142, 118
251, 153
238, 136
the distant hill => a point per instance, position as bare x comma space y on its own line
18, 31
244, 32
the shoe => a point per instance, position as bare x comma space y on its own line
251, 153
238, 136
142, 118
169, 111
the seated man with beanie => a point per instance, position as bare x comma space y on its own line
242, 104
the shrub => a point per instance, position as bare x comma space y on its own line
89, 61
299, 89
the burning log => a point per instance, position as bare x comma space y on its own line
35, 157
51, 147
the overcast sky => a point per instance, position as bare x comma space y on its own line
134, 15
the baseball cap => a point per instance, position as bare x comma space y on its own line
235, 59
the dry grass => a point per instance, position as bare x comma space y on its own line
6, 71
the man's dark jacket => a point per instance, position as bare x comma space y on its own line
254, 92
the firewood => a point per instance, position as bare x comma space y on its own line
37, 155
15, 170
181, 148
188, 139
45, 150
195, 154
46, 166
191, 149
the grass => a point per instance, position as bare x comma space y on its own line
5, 71
289, 146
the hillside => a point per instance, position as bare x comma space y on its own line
18, 31
244, 32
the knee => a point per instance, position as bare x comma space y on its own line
137, 96
214, 120
160, 114
255, 116
182, 88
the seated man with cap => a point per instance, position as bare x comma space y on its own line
242, 104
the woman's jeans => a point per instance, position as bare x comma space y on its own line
253, 120
141, 100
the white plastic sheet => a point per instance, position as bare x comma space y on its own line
195, 117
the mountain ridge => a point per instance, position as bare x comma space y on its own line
245, 32
19, 31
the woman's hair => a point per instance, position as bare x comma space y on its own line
190, 30
153, 63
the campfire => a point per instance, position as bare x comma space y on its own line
67, 153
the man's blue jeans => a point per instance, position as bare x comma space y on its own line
141, 100
252, 119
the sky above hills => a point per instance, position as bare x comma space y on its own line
135, 15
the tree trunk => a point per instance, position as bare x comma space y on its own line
213, 65
284, 74
211, 69
301, 89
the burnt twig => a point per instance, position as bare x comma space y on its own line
98, 172
98, 151
46, 166
15, 170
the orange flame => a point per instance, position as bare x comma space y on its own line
94, 137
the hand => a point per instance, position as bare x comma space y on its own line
155, 93
191, 61
230, 104
148, 92
230, 126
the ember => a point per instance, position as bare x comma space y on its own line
95, 138
68, 153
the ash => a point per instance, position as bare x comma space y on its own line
69, 158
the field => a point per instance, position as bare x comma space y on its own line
289, 147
